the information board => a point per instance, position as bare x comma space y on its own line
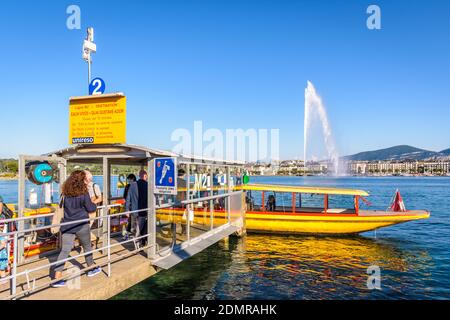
97, 119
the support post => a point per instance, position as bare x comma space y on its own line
188, 215
13, 282
229, 191
356, 204
109, 244
21, 206
293, 202
325, 204
104, 211
211, 193
151, 212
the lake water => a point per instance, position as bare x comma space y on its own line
414, 258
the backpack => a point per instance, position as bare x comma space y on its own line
6, 213
58, 216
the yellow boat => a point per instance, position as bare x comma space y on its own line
298, 219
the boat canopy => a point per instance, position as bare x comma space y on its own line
301, 189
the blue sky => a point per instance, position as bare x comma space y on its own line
232, 64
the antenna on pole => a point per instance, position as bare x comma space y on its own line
89, 47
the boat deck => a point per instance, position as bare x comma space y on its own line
126, 271
288, 209
378, 213
312, 210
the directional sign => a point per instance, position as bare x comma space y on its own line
99, 119
97, 86
165, 170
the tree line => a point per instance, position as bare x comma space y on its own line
9, 166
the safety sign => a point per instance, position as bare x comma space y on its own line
165, 176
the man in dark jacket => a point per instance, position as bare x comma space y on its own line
142, 203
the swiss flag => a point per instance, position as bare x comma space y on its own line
397, 204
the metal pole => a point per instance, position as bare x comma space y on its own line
228, 198
89, 69
151, 213
104, 211
14, 270
109, 245
21, 224
188, 214
211, 193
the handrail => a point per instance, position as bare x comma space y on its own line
106, 247
71, 258
70, 222
228, 194
49, 214
168, 205
26, 218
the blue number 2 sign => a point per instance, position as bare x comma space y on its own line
97, 86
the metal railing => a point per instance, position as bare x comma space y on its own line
151, 242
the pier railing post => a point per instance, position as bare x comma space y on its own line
188, 207
211, 193
13, 282
109, 244
229, 190
105, 211
21, 206
151, 212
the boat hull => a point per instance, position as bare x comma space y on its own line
327, 224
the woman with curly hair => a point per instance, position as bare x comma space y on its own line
77, 205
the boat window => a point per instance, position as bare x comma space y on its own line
340, 201
310, 202
340, 204
254, 200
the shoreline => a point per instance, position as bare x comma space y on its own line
5, 178
15, 178
355, 176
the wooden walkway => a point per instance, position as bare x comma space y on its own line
127, 270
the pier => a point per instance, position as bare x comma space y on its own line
205, 209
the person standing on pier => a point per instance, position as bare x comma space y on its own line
3, 246
5, 213
77, 205
131, 196
142, 204
96, 196
93, 188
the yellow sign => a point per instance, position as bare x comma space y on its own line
97, 119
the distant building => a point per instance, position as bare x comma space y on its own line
398, 167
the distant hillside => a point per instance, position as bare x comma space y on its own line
402, 152
445, 152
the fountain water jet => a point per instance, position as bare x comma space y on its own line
314, 105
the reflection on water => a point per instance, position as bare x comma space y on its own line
291, 267
295, 267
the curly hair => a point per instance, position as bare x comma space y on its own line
74, 185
